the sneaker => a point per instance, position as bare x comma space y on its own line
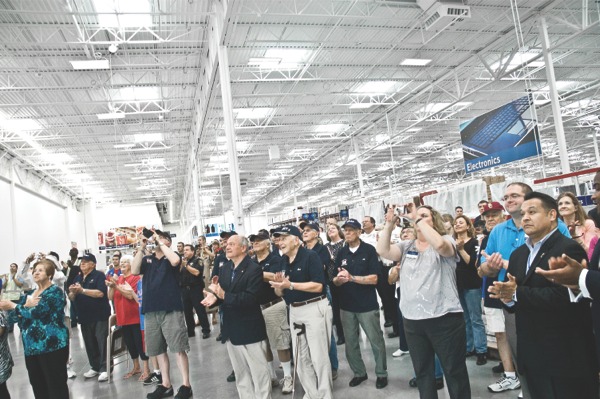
153, 378
274, 382
160, 392
504, 384
184, 392
399, 353
288, 385
231, 377
481, 359
103, 376
498, 369
520, 395
71, 374
90, 373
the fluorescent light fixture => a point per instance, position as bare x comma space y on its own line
20, 125
154, 161
132, 165
376, 87
361, 105
281, 59
139, 178
147, 137
252, 113
90, 65
331, 128
133, 94
519, 59
124, 145
414, 129
111, 115
123, 13
207, 183
415, 62
433, 108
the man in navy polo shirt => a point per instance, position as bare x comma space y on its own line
358, 267
88, 291
163, 312
303, 288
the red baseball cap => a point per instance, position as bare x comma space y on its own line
492, 206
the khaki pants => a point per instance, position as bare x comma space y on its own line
252, 377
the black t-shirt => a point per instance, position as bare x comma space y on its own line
354, 297
187, 279
324, 255
220, 260
92, 309
160, 285
272, 264
466, 274
307, 267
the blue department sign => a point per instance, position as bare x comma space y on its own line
503, 135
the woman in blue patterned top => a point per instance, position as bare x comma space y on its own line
45, 336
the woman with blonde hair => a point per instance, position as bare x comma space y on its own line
582, 228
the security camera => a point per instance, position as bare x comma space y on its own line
113, 48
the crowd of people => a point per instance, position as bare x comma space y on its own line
524, 271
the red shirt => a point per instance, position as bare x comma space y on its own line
127, 310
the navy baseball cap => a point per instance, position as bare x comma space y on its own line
312, 226
89, 258
260, 236
227, 234
353, 223
289, 230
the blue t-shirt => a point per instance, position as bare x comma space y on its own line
307, 267
90, 310
354, 297
160, 285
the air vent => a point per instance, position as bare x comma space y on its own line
441, 15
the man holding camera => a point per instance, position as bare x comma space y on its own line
163, 312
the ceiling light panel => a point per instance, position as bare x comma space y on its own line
90, 65
415, 62
376, 87
252, 113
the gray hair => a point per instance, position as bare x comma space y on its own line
127, 258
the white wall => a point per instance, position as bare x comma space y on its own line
122, 216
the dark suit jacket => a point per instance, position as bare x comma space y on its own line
243, 322
554, 335
592, 282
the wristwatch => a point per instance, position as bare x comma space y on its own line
291, 286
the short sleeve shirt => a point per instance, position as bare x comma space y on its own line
354, 297
160, 285
306, 267
188, 279
427, 282
271, 264
90, 309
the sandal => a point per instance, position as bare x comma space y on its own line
143, 377
131, 374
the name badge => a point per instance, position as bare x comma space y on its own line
412, 254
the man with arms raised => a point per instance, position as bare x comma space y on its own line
163, 313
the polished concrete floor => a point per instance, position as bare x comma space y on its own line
209, 367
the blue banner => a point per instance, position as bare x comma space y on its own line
503, 135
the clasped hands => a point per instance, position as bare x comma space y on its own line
280, 281
343, 276
213, 293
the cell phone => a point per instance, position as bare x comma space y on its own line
147, 233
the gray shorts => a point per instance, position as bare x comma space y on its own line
165, 330
278, 329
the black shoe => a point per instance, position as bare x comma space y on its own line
439, 383
153, 378
393, 335
184, 392
469, 354
381, 382
160, 392
388, 324
341, 341
231, 377
205, 335
191, 335
498, 369
357, 380
219, 337
481, 359
413, 382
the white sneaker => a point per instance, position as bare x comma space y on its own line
103, 376
504, 384
399, 353
520, 395
71, 374
288, 387
90, 373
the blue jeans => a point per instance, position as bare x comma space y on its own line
471, 304
333, 355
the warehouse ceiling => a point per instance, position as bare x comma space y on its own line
121, 100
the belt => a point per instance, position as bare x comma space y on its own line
316, 299
269, 304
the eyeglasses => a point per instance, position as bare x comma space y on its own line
512, 196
